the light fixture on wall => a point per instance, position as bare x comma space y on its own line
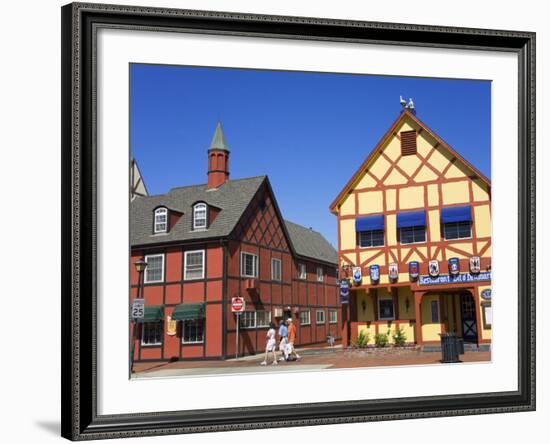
407, 304
364, 305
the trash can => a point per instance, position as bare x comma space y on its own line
450, 348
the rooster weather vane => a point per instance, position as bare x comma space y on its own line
407, 105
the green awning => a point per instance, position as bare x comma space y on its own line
188, 312
152, 313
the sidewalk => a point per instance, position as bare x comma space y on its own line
311, 359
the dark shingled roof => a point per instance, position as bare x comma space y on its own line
310, 243
232, 198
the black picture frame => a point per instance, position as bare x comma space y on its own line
79, 169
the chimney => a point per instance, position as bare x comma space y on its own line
218, 160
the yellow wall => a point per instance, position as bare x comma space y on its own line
411, 197
371, 202
455, 192
482, 216
347, 234
348, 205
430, 331
435, 228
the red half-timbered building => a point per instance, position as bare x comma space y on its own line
205, 244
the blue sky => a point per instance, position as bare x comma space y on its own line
309, 132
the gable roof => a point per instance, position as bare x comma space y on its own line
231, 198
402, 116
309, 243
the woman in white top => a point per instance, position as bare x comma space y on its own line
270, 344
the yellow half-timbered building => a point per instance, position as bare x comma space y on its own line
414, 240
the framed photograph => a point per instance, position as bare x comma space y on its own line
278, 221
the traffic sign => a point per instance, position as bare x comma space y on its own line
237, 304
138, 309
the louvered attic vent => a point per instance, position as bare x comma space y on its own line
408, 143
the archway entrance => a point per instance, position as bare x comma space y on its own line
468, 317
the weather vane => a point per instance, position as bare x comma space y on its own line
407, 105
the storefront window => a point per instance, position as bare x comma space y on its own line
151, 333
193, 331
385, 309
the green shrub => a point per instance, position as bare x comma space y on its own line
362, 339
399, 337
381, 339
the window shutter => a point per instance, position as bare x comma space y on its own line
408, 143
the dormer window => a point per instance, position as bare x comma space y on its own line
161, 220
199, 216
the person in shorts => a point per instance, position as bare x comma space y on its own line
291, 351
270, 345
283, 339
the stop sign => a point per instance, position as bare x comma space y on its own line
237, 304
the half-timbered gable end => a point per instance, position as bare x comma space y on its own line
414, 200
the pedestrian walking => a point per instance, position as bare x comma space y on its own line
291, 354
283, 339
270, 344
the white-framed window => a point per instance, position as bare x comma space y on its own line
320, 274
305, 317
320, 316
154, 272
385, 309
371, 238
333, 316
255, 319
192, 331
457, 230
194, 265
275, 269
249, 265
151, 333
412, 235
199, 216
161, 220
302, 271
263, 318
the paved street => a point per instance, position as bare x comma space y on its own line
311, 359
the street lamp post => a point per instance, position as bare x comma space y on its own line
140, 265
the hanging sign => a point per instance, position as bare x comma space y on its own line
433, 268
393, 271
374, 273
486, 294
454, 266
171, 326
356, 274
475, 264
344, 291
414, 270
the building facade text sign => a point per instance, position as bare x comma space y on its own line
458, 279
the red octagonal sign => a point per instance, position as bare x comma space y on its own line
237, 304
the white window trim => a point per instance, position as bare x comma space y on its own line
145, 280
380, 318
317, 321
183, 341
320, 278
201, 228
300, 276
154, 344
335, 320
255, 265
371, 246
457, 238
159, 211
273, 278
412, 243
256, 319
185, 278
306, 323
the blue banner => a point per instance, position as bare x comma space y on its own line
447, 279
